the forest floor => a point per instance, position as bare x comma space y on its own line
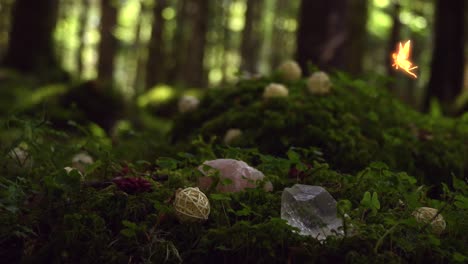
78, 186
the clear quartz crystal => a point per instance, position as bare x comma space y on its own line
311, 209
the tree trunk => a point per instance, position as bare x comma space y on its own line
108, 43
189, 41
446, 80
5, 18
193, 72
179, 41
31, 45
155, 66
322, 34
83, 21
279, 36
227, 40
394, 38
141, 52
251, 37
355, 45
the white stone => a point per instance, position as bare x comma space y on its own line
21, 157
231, 135
290, 70
241, 174
275, 90
188, 103
311, 209
319, 83
81, 161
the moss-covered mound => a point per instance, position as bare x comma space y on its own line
354, 125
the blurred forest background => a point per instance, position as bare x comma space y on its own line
150, 48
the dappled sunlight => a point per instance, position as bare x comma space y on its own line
158, 94
41, 94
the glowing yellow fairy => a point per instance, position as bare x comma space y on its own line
400, 59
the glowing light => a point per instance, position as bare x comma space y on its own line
168, 13
401, 59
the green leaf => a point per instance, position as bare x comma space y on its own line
128, 232
226, 181
458, 257
375, 201
219, 197
344, 206
403, 176
293, 156
91, 168
167, 163
378, 165
162, 207
460, 185
129, 224
461, 202
366, 199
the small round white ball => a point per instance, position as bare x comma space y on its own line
188, 103
70, 169
21, 158
319, 83
81, 161
426, 214
275, 90
290, 70
231, 135
20, 154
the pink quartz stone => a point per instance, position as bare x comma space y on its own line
242, 175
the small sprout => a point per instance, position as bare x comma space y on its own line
231, 135
319, 83
275, 90
188, 103
70, 169
290, 70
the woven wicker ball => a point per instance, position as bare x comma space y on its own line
191, 205
426, 214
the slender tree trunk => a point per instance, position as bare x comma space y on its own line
251, 37
189, 41
446, 80
141, 52
193, 71
322, 34
394, 38
5, 18
227, 39
31, 45
155, 66
83, 21
279, 36
178, 51
108, 43
355, 46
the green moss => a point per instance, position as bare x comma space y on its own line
353, 126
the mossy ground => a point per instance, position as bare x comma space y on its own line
357, 139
